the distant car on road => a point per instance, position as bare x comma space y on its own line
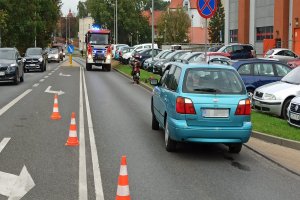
201, 103
275, 98
294, 112
35, 59
53, 55
259, 72
11, 66
281, 54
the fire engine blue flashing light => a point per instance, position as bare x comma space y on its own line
96, 27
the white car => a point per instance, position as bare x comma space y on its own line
114, 48
275, 98
294, 112
281, 54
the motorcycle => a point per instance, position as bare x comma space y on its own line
136, 73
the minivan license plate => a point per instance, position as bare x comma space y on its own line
2, 73
295, 116
215, 113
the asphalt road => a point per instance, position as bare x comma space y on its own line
114, 119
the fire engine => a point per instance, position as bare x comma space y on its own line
98, 48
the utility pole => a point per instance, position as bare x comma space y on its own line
69, 28
35, 29
152, 29
66, 30
116, 21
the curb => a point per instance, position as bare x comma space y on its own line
262, 136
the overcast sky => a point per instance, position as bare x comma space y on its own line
69, 4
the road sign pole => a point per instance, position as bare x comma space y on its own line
205, 38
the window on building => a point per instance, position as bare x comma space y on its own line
186, 5
233, 35
264, 33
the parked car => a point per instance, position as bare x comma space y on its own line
259, 72
238, 51
118, 49
114, 48
53, 55
281, 54
294, 62
294, 112
145, 54
124, 53
140, 47
214, 48
148, 64
11, 66
160, 66
35, 59
275, 98
189, 57
212, 58
201, 103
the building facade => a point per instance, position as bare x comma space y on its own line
256, 21
84, 25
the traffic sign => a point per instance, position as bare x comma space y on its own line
207, 8
70, 49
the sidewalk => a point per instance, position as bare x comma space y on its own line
285, 157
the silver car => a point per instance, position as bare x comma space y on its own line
281, 54
275, 98
294, 112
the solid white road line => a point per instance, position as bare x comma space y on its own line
42, 80
50, 74
95, 160
13, 102
46, 76
35, 85
3, 143
83, 194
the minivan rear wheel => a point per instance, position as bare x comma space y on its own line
170, 144
235, 148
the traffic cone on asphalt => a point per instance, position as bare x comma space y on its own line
55, 115
73, 139
123, 184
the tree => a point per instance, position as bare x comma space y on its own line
158, 5
173, 26
216, 25
3, 18
82, 9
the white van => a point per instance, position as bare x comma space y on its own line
140, 47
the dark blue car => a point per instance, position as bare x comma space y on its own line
258, 72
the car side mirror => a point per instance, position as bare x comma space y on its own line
154, 82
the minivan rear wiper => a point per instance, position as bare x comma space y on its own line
205, 90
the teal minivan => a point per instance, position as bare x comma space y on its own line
204, 103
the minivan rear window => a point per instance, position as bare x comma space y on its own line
212, 81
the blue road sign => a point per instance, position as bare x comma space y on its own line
70, 49
207, 8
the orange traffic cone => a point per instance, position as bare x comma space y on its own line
55, 115
73, 139
123, 187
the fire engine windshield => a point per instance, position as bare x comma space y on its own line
99, 38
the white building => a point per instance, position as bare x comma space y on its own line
84, 25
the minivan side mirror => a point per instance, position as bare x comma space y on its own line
154, 82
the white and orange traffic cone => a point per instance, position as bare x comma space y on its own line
123, 183
55, 115
73, 139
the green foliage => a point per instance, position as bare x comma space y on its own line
131, 23
158, 4
216, 24
173, 26
82, 9
28, 18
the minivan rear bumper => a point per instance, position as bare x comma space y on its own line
180, 131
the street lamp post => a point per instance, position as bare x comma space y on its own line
66, 29
152, 28
116, 21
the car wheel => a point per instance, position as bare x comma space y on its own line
108, 68
17, 78
235, 148
284, 111
170, 144
88, 67
250, 92
155, 124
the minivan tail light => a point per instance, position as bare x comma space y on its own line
244, 107
185, 106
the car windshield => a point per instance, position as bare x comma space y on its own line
292, 77
166, 54
160, 54
34, 51
185, 56
171, 55
270, 52
98, 38
208, 80
7, 54
53, 51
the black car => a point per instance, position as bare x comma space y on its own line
160, 65
238, 51
148, 63
11, 65
141, 56
35, 59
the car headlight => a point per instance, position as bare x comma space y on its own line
24, 60
269, 97
12, 68
41, 59
90, 56
108, 57
56, 56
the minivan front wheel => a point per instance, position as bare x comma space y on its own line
284, 112
170, 144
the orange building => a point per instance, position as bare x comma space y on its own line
253, 21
